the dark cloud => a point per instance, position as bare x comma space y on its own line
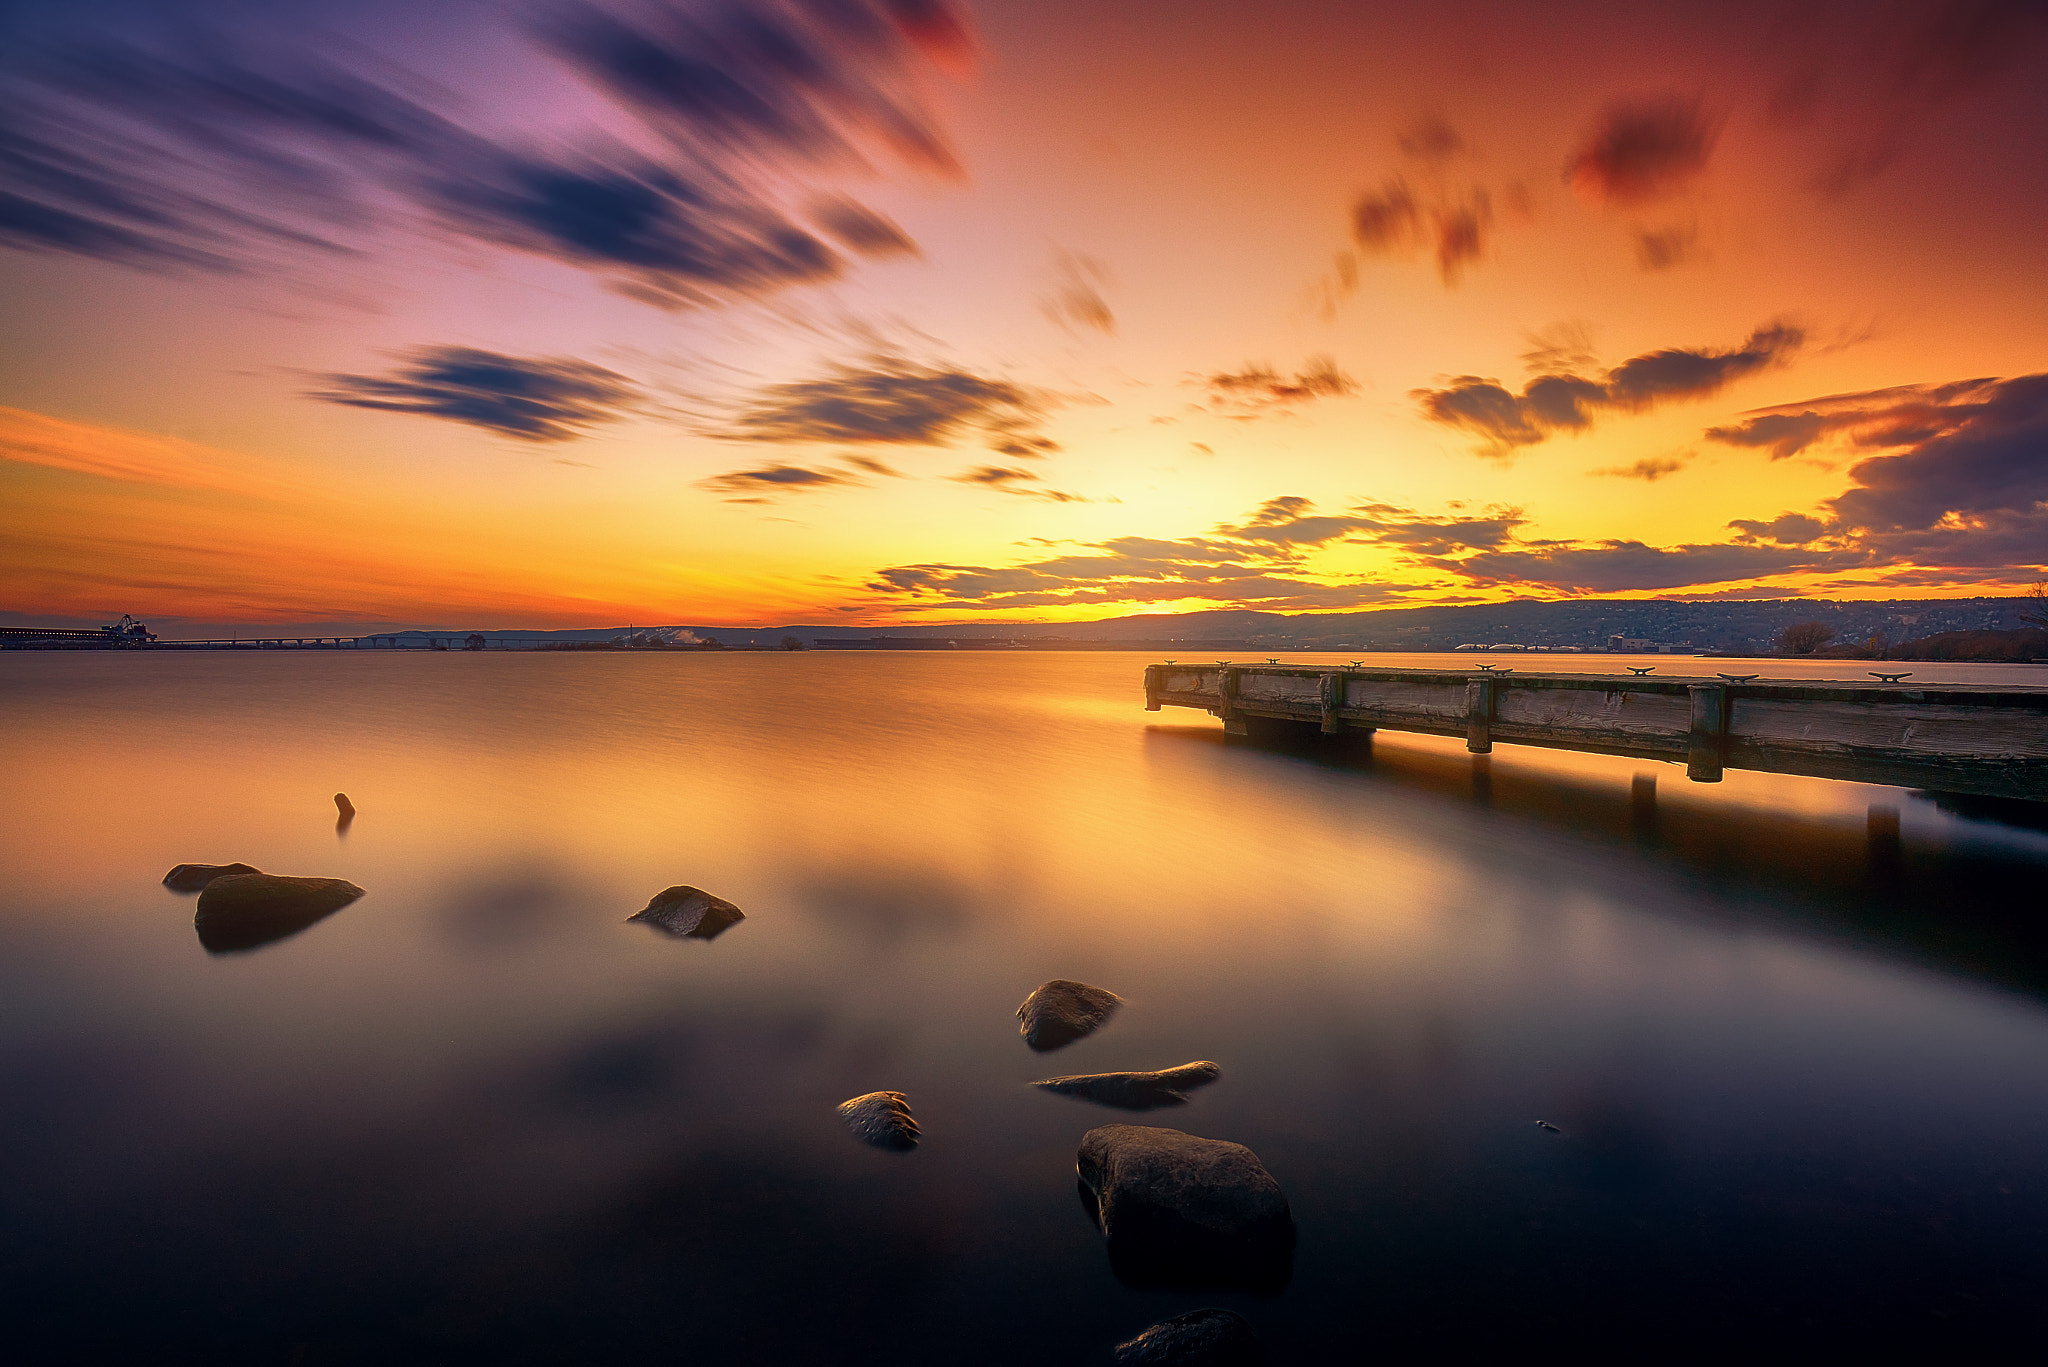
534, 399
872, 466
1390, 525
1025, 483
278, 143
1787, 529
1898, 416
1258, 563
1642, 151
1571, 403
1275, 512
993, 474
1660, 249
1077, 302
1431, 139
1617, 566
762, 484
1964, 494
808, 80
861, 230
658, 237
1649, 470
1989, 457
1396, 220
1258, 388
892, 401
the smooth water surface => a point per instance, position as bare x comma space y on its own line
1799, 1081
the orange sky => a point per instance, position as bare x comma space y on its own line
1014, 311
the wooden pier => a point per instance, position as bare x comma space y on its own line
1986, 740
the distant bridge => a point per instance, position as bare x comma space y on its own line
1984, 740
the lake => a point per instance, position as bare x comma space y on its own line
1795, 1085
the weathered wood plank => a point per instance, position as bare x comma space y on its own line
1964, 738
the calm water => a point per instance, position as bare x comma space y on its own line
1802, 1085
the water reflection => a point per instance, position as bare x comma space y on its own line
479, 1119
1962, 906
507, 908
881, 903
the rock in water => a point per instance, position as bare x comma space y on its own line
1180, 1211
1060, 1012
882, 1119
249, 910
1202, 1338
690, 913
1136, 1091
343, 805
195, 877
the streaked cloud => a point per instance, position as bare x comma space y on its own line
115, 453
891, 401
1567, 402
1258, 388
1898, 416
1399, 219
1650, 469
762, 484
1076, 302
1642, 151
540, 399
274, 144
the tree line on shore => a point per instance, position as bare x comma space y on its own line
2029, 643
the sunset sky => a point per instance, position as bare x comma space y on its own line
574, 314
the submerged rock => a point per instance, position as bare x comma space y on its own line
1180, 1211
1060, 1012
195, 877
1136, 1091
882, 1119
1201, 1338
689, 913
249, 910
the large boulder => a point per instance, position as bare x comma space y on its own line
689, 913
195, 877
882, 1119
1060, 1012
249, 910
1200, 1338
1180, 1211
1136, 1091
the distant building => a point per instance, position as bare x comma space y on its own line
1635, 645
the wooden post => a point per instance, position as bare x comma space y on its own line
1706, 747
1151, 688
1332, 698
1479, 715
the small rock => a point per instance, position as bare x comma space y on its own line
249, 910
882, 1119
1136, 1091
343, 805
194, 877
689, 913
1201, 1338
1182, 1211
1060, 1012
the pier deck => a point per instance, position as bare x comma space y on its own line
1961, 738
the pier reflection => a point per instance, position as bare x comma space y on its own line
1964, 906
